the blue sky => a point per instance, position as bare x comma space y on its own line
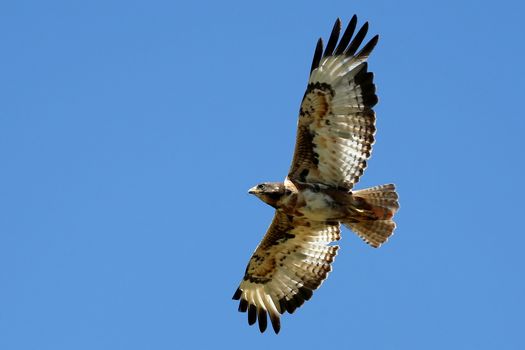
130, 132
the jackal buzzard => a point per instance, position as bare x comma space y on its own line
334, 139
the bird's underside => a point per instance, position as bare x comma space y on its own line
334, 140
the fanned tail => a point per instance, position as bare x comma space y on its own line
376, 206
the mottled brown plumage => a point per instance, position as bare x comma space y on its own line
334, 140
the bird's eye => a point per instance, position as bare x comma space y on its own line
260, 187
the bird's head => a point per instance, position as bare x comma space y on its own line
268, 192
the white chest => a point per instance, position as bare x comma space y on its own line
317, 205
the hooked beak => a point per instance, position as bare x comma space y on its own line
253, 190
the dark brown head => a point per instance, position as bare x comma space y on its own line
268, 192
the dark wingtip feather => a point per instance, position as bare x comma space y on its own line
291, 305
367, 49
305, 293
298, 300
276, 322
252, 314
282, 305
237, 294
263, 321
358, 39
365, 80
347, 35
243, 305
317, 55
370, 101
334, 36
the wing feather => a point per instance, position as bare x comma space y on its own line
291, 261
358, 40
332, 41
336, 121
347, 35
317, 55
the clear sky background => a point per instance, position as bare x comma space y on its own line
130, 132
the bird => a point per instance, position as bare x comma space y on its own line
335, 134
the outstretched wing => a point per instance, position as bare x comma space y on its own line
291, 261
336, 120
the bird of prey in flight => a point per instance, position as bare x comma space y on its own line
335, 134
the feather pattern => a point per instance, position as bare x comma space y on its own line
335, 135
336, 121
291, 261
385, 199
